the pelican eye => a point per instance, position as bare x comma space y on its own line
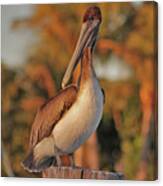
90, 18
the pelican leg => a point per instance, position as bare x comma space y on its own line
72, 162
59, 162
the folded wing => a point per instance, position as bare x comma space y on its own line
50, 113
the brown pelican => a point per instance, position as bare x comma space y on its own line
66, 121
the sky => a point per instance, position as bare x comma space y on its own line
15, 44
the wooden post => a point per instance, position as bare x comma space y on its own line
80, 173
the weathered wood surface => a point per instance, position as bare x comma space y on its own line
80, 173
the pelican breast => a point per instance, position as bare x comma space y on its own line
82, 118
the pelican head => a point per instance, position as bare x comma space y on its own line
87, 38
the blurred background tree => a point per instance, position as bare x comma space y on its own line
126, 138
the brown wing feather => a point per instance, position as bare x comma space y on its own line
50, 113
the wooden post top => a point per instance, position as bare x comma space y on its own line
80, 173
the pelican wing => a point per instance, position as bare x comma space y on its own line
50, 113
